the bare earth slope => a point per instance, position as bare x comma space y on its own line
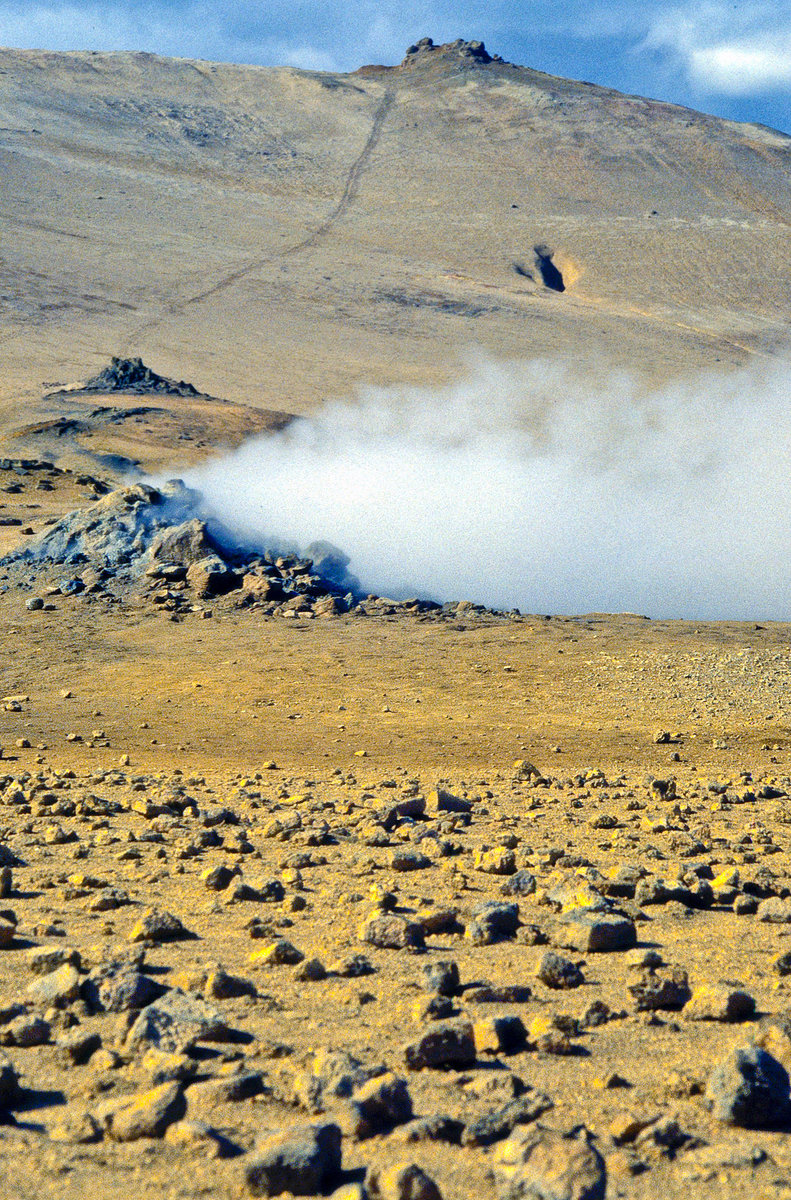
301, 231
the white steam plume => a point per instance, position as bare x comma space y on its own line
538, 486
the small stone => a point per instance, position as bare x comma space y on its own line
76, 1046
146, 1115
661, 989
198, 1138
441, 977
160, 1066
156, 925
218, 878
590, 932
492, 922
542, 1164
719, 1004
311, 971
499, 861
522, 883
749, 1087
446, 1044
377, 1106
26, 1030
119, 987
43, 960
774, 911
353, 966
9, 1083
440, 801
437, 1128
439, 920
76, 1128
334, 1075
499, 1124
57, 989
175, 1022
221, 985
409, 860
279, 953
302, 1160
392, 933
404, 1181
226, 1089
499, 1035
626, 1126
558, 972
432, 1008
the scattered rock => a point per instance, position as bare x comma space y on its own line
659, 988
57, 989
9, 1083
558, 972
377, 1106
499, 861
175, 1023
592, 932
442, 977
147, 1115
303, 1160
749, 1087
542, 1164
499, 1035
404, 1181
446, 1044
492, 922
719, 1004
499, 1124
156, 925
390, 932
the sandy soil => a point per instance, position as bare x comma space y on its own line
308, 731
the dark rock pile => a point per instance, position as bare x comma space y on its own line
472, 51
132, 375
153, 540
141, 536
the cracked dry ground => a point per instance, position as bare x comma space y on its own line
276, 791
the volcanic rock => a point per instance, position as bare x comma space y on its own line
302, 1160
749, 1088
542, 1164
492, 922
447, 1044
131, 375
146, 1115
404, 1181
175, 1023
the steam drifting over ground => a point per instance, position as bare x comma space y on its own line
538, 486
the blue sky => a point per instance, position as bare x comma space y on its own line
732, 59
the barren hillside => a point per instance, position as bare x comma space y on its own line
288, 233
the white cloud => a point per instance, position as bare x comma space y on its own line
737, 51
740, 68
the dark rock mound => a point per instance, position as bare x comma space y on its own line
472, 52
132, 375
145, 536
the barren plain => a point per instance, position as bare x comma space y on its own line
308, 892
